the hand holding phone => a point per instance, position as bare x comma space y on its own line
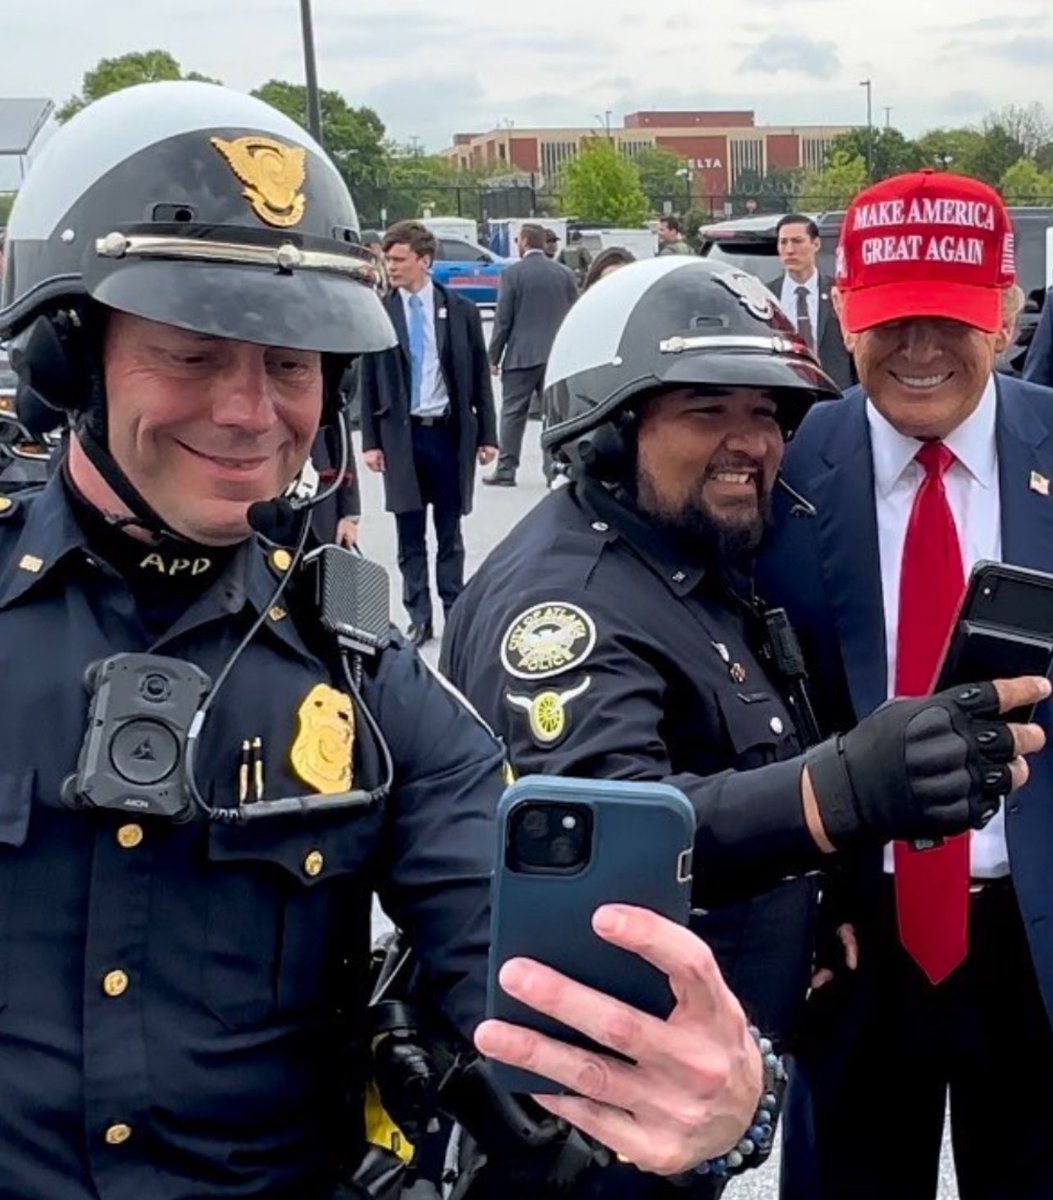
596, 987
662, 1094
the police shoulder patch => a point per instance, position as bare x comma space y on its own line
547, 639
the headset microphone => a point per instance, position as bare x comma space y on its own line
275, 519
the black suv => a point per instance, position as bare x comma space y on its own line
750, 243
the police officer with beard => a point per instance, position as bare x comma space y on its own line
615, 632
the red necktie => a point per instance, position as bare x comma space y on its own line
932, 886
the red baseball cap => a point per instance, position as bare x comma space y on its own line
926, 244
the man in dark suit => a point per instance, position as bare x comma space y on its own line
934, 463
536, 293
1038, 366
427, 418
805, 296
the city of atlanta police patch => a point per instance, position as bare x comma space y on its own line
546, 640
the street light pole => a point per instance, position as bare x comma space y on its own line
314, 104
870, 130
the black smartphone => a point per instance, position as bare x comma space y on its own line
567, 846
1004, 628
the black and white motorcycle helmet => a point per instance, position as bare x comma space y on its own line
194, 206
197, 206
669, 322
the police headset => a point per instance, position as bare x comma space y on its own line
147, 711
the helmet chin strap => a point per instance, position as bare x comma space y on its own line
143, 514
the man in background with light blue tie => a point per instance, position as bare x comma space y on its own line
427, 420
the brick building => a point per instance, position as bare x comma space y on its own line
716, 146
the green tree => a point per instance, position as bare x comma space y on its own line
601, 184
951, 149
113, 74
1000, 150
1028, 125
892, 153
658, 176
835, 185
417, 181
1026, 183
354, 137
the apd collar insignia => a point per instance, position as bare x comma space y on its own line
274, 174
547, 712
750, 292
323, 750
547, 639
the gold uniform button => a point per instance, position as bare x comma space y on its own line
115, 983
314, 863
281, 560
5, 503
129, 836
118, 1134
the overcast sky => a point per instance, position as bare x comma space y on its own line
436, 68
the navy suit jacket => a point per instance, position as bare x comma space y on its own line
384, 387
825, 567
1038, 366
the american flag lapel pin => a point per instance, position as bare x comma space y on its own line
1039, 483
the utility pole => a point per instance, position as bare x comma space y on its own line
865, 83
888, 116
314, 104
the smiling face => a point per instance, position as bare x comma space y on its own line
925, 375
202, 426
706, 464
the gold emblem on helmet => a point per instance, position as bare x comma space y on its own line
322, 752
273, 174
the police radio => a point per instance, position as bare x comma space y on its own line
132, 757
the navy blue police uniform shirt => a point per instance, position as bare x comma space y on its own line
171, 994
596, 647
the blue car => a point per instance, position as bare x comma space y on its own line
471, 270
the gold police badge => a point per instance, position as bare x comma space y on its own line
323, 750
547, 711
546, 640
273, 174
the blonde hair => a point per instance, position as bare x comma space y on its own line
1013, 301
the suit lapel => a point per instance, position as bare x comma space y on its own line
442, 323
843, 494
1025, 467
398, 319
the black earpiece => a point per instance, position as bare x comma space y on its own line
53, 356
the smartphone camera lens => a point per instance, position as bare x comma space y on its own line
549, 838
535, 823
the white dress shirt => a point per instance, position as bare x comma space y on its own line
788, 300
973, 493
434, 398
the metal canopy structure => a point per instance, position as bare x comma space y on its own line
21, 120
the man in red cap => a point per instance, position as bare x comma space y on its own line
937, 976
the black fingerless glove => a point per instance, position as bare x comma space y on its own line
918, 768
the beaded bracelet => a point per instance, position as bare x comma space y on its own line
758, 1140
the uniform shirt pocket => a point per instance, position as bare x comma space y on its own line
757, 726
278, 896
